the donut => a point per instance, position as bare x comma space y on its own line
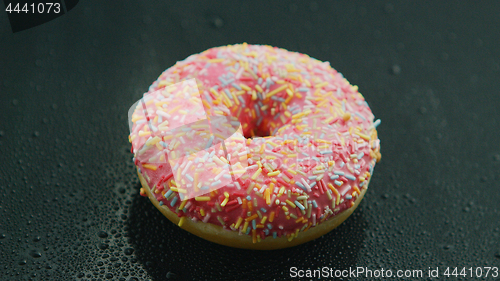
254, 146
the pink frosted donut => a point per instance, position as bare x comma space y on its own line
254, 146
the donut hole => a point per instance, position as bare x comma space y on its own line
251, 130
257, 133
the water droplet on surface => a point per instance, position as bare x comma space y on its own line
102, 234
35, 254
216, 21
171, 275
128, 251
396, 69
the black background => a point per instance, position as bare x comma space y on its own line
69, 196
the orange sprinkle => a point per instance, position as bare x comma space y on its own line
250, 218
271, 217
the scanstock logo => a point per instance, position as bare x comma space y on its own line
27, 14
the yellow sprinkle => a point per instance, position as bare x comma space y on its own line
149, 166
292, 171
282, 190
180, 190
245, 225
236, 100
290, 203
181, 221
298, 115
224, 202
257, 86
237, 172
272, 174
174, 109
277, 90
263, 220
144, 134
160, 148
327, 121
136, 118
268, 167
245, 87
183, 204
272, 143
153, 141
202, 212
226, 97
262, 148
238, 223
217, 160
254, 95
201, 198
363, 136
284, 208
320, 85
256, 174
215, 60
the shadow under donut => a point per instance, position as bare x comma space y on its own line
168, 252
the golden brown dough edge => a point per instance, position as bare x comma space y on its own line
219, 235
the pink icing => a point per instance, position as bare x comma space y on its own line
324, 157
